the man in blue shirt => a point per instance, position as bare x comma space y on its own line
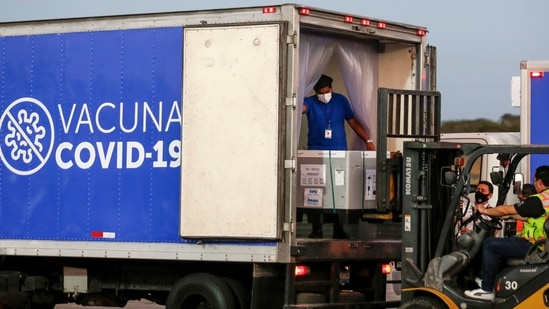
326, 114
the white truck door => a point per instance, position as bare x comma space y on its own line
230, 132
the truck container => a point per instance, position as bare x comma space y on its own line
530, 91
157, 156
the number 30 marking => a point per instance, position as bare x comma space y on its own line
511, 285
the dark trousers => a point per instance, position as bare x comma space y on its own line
314, 216
495, 248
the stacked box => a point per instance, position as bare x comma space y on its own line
346, 178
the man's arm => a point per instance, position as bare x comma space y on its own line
357, 127
499, 211
516, 217
532, 207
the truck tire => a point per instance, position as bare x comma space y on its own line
310, 298
201, 291
240, 293
423, 302
351, 297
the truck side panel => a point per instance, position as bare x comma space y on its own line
539, 113
534, 93
91, 130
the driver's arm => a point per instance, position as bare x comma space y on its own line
499, 211
531, 208
516, 217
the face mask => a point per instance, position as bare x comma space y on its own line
325, 97
481, 197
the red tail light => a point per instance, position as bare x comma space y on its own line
304, 11
386, 269
302, 270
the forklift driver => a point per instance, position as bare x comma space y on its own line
535, 208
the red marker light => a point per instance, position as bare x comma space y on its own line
386, 269
269, 10
302, 270
304, 11
381, 25
536, 74
365, 22
421, 32
348, 19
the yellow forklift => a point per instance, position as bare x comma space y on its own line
437, 262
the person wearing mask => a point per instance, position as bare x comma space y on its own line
326, 113
535, 208
483, 194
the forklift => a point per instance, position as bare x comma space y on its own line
437, 263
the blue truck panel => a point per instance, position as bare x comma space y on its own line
539, 113
90, 135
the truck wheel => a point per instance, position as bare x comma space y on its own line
351, 297
423, 302
200, 291
241, 294
310, 298
42, 306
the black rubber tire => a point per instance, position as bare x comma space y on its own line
423, 302
351, 297
310, 298
201, 291
240, 293
41, 306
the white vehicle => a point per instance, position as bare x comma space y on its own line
484, 168
488, 163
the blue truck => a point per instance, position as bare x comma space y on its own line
531, 94
155, 156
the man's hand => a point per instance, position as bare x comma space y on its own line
480, 208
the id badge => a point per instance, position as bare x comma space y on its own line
328, 134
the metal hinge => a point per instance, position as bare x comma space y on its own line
287, 227
291, 101
413, 52
291, 163
291, 39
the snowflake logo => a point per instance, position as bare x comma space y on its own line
26, 136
